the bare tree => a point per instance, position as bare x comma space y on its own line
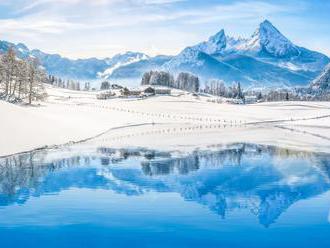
20, 79
9, 63
36, 78
187, 81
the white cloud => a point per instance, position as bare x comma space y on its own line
160, 1
105, 27
117, 13
28, 5
40, 23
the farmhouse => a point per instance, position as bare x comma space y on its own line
105, 95
250, 99
162, 91
149, 91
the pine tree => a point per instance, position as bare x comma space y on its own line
239, 91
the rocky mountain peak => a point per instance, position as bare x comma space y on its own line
268, 39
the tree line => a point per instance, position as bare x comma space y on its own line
189, 82
68, 84
184, 81
291, 94
21, 80
218, 88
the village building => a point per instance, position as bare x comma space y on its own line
149, 91
250, 99
162, 91
105, 95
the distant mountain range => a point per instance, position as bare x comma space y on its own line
266, 59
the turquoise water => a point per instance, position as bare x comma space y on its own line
243, 195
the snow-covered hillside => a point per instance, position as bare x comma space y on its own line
216, 44
323, 81
120, 60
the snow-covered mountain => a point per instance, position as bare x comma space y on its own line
204, 65
269, 41
120, 60
137, 69
91, 68
267, 58
215, 44
269, 45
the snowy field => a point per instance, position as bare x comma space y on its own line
176, 121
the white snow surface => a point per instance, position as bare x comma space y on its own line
164, 122
322, 81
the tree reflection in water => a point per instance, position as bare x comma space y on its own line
264, 179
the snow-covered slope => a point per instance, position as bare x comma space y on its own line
137, 69
216, 43
322, 82
261, 74
234, 67
68, 109
203, 65
269, 40
120, 60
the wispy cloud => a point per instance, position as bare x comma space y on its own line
28, 5
146, 25
139, 13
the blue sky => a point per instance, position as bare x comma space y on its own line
102, 28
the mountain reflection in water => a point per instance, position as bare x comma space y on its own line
263, 179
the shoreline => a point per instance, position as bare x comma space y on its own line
57, 146
71, 117
93, 142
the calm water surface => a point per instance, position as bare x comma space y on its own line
243, 195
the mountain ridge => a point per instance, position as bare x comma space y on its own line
267, 58
85, 69
273, 59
